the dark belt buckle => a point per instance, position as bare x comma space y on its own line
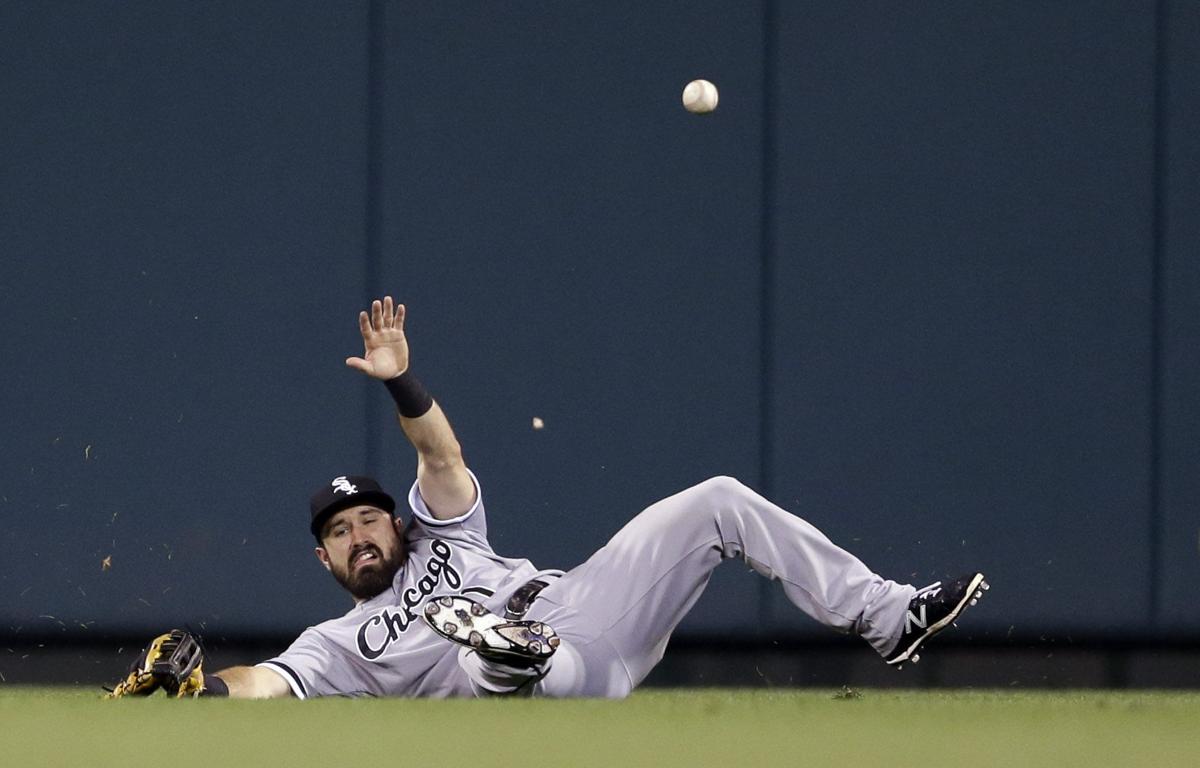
518, 604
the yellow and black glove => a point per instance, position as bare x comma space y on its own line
173, 662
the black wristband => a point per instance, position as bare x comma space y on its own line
411, 398
214, 686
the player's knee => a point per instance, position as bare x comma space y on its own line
723, 487
694, 508
711, 497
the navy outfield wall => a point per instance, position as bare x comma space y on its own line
964, 310
1176, 525
182, 231
927, 277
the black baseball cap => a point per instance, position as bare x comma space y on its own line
344, 492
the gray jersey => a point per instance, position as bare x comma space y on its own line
381, 647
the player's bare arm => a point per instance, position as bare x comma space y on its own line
254, 683
441, 472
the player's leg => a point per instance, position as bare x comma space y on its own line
635, 590
615, 613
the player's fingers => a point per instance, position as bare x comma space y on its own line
389, 313
400, 312
377, 315
364, 324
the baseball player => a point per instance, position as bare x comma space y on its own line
438, 613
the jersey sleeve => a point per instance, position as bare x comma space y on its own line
471, 526
310, 665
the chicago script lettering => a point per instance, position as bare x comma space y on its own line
384, 628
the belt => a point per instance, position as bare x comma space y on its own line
518, 604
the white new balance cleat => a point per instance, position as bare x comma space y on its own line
466, 622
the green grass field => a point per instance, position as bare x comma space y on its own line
660, 728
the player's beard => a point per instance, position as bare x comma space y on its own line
368, 581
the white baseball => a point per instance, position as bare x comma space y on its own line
700, 97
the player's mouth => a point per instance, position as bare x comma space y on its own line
364, 557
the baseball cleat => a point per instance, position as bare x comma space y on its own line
518, 643
933, 609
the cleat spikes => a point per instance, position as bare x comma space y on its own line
516, 642
915, 658
974, 601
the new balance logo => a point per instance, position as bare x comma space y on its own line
911, 619
343, 485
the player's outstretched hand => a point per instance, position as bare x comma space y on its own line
386, 349
173, 661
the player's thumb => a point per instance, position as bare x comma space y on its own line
358, 364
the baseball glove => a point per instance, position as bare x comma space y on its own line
173, 662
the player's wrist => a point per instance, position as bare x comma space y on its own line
412, 400
214, 686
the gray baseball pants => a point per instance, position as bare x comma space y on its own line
615, 612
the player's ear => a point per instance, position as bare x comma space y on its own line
323, 556
399, 526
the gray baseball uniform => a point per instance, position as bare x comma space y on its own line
614, 613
